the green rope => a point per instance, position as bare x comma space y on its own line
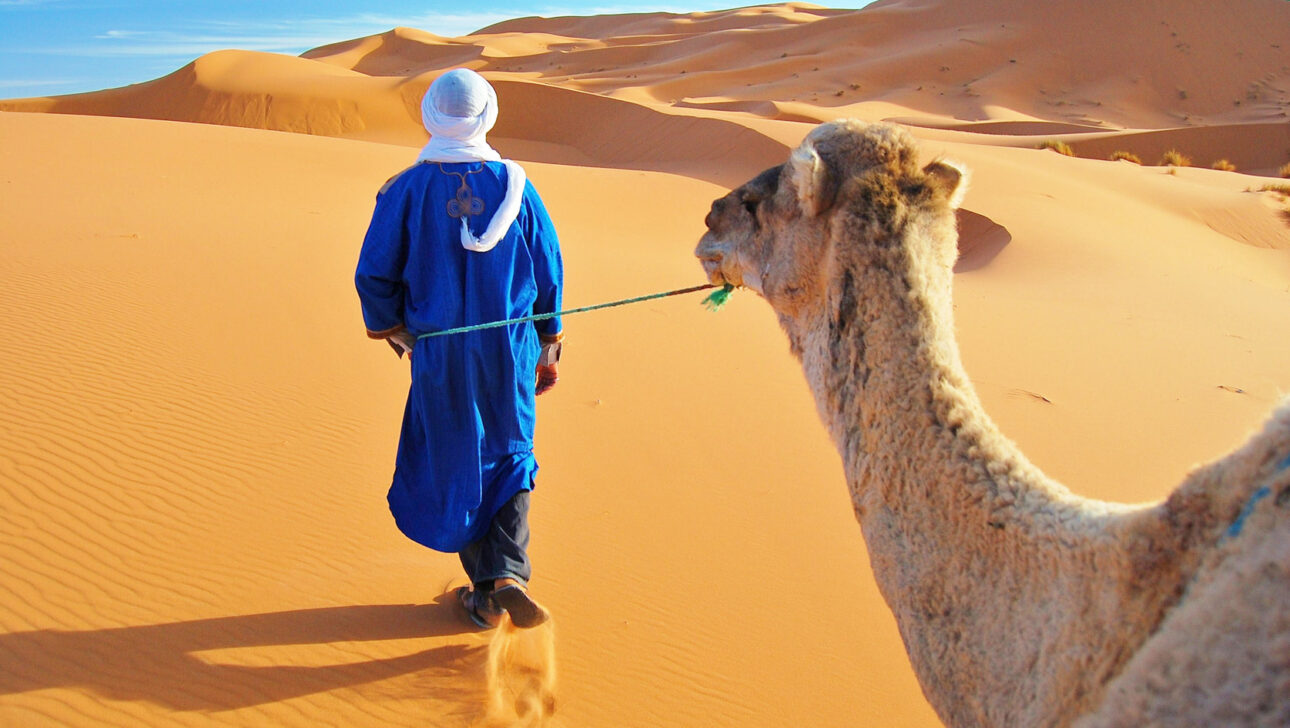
713, 302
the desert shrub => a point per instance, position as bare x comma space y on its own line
1223, 165
1059, 147
1283, 189
1284, 171
1126, 156
1175, 158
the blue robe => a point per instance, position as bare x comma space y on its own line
467, 442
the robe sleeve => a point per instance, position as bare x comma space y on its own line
548, 267
379, 277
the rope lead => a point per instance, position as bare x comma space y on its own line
713, 302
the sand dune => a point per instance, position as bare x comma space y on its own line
197, 435
646, 25
397, 53
1139, 66
590, 126
1257, 148
260, 91
280, 93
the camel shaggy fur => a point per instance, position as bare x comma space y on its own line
1019, 602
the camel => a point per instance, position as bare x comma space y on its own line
1019, 602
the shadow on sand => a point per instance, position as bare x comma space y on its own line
980, 240
159, 664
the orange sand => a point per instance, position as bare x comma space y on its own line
197, 436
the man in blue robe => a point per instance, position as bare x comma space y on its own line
458, 239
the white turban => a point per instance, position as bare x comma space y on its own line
458, 110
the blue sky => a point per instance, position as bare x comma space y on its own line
68, 46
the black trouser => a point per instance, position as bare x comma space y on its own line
503, 550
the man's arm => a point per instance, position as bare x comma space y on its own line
548, 270
379, 275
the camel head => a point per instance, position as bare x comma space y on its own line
852, 190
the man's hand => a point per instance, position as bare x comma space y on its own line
547, 376
402, 342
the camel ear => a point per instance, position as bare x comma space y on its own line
812, 179
950, 178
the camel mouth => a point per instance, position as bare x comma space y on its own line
712, 269
712, 257
720, 260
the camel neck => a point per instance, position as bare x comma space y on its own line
884, 366
954, 516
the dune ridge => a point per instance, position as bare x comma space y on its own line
988, 66
197, 436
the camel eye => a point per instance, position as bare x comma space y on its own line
750, 204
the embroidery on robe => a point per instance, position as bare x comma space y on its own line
465, 204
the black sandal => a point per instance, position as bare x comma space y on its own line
525, 613
480, 608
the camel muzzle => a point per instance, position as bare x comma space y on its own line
712, 257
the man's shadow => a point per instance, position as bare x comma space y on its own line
159, 664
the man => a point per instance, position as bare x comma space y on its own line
462, 238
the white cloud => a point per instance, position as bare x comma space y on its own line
445, 24
291, 36
33, 83
165, 43
281, 36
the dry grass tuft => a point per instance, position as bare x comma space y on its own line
1175, 158
1280, 189
1059, 147
1126, 156
1223, 165
1284, 171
